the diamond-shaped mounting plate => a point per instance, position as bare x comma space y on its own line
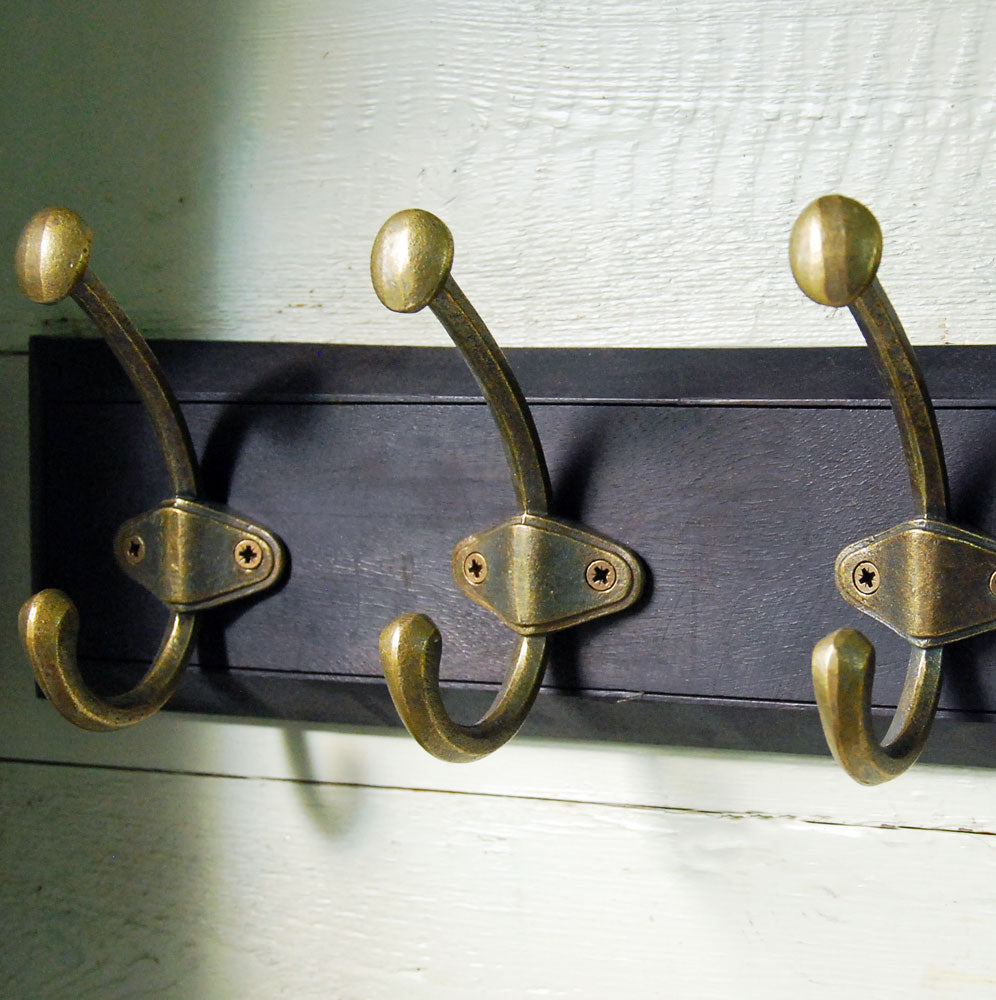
194, 555
927, 580
540, 574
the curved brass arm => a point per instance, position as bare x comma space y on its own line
410, 267
835, 250
49, 625
51, 261
843, 673
410, 651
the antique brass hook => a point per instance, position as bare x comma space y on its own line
926, 579
190, 554
537, 573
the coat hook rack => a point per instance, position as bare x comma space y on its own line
537, 573
191, 555
692, 665
927, 580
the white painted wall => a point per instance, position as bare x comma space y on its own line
614, 173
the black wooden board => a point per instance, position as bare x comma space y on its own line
737, 475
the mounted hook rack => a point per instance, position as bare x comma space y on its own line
926, 579
537, 573
191, 555
724, 516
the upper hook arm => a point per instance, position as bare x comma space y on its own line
51, 261
410, 267
835, 251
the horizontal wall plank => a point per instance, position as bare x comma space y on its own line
162, 885
623, 174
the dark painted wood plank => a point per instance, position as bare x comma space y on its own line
738, 511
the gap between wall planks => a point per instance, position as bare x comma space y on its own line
341, 889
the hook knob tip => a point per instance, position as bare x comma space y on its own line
49, 625
411, 260
52, 254
835, 249
410, 637
845, 649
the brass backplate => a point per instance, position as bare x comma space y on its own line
194, 555
927, 580
540, 574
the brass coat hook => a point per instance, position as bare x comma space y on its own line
191, 555
926, 579
537, 573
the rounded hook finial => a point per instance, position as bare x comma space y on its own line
835, 249
411, 259
52, 254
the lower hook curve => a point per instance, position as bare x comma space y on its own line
843, 672
410, 651
49, 625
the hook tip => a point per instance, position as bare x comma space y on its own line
844, 652
47, 612
843, 663
410, 636
843, 669
49, 625
835, 249
411, 260
52, 254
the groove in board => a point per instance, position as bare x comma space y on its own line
113, 901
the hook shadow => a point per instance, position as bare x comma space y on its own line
571, 489
222, 452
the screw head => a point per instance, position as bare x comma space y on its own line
134, 549
992, 584
866, 578
248, 553
475, 568
600, 575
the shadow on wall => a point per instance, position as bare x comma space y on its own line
122, 112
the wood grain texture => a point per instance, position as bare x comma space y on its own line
355, 892
621, 175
